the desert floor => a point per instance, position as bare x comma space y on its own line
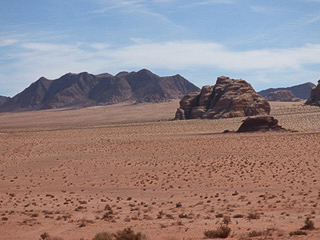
75, 172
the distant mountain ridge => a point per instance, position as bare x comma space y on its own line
3, 99
302, 91
86, 89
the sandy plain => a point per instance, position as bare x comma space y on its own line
75, 172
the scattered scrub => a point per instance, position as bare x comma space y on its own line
221, 232
255, 233
298, 232
309, 224
46, 236
128, 234
253, 215
226, 220
178, 205
103, 236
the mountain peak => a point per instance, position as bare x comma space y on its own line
85, 89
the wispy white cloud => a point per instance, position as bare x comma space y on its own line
139, 7
124, 4
53, 60
306, 20
208, 2
7, 42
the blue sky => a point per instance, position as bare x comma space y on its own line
269, 43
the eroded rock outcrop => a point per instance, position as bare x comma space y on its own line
227, 98
282, 96
261, 123
314, 98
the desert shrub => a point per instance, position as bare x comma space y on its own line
46, 236
183, 215
102, 236
309, 224
128, 234
226, 220
178, 205
221, 232
238, 216
169, 216
255, 233
298, 232
253, 215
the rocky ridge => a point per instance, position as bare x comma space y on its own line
282, 96
300, 91
84, 89
4, 99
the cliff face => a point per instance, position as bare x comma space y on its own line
314, 98
86, 89
227, 98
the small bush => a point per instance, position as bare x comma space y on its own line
103, 236
46, 236
226, 220
221, 232
183, 215
253, 215
238, 216
255, 233
298, 232
309, 224
128, 234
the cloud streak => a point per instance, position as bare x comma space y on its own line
52, 60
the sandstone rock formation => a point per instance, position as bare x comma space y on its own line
227, 98
282, 96
314, 98
261, 123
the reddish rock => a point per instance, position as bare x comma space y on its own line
282, 96
227, 98
262, 123
314, 98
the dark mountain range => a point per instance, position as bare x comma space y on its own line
86, 89
3, 99
300, 91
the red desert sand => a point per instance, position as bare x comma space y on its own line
73, 173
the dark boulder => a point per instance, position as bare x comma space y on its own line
261, 123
